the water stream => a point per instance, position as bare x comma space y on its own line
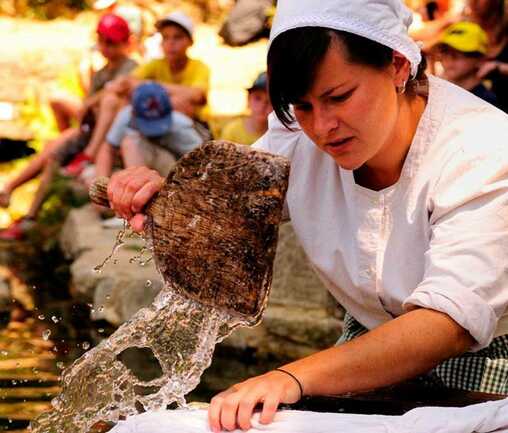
100, 386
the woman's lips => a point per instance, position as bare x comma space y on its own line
339, 145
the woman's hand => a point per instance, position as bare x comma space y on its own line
130, 190
234, 407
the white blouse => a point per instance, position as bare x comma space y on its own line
437, 239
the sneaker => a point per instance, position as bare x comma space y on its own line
17, 229
77, 165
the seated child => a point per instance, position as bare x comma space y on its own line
148, 132
113, 36
246, 130
462, 49
185, 79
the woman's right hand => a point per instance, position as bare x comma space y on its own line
130, 190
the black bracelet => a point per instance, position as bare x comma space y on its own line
294, 378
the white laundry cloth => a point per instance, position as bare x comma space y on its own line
384, 21
480, 418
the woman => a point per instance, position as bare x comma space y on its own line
492, 16
399, 198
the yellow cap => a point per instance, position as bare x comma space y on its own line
465, 36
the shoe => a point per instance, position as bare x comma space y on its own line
17, 229
77, 165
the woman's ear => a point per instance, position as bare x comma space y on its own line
401, 70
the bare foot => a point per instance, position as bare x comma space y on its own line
5, 199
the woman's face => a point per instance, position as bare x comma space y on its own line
351, 110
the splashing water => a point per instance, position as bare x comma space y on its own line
178, 332
119, 243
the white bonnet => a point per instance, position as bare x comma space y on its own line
383, 21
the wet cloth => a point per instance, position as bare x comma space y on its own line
481, 418
482, 371
436, 239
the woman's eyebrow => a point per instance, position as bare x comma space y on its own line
331, 90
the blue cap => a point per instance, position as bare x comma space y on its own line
151, 109
260, 83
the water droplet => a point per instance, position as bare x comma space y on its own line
100, 330
35, 371
60, 365
108, 297
41, 316
46, 334
55, 319
86, 345
14, 382
148, 283
5, 353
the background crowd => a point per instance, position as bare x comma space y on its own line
139, 98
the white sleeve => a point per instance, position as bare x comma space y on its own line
279, 140
466, 274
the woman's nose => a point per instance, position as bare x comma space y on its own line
325, 122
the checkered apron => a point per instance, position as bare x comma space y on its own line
482, 371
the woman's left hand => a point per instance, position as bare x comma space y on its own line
234, 407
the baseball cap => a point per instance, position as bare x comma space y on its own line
151, 109
260, 83
466, 37
113, 28
178, 18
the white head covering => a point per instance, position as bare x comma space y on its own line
383, 21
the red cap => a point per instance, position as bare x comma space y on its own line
113, 28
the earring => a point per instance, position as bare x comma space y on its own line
401, 89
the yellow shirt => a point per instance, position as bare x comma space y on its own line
236, 132
195, 74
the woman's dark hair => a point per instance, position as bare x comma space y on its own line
294, 57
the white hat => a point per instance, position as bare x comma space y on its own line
179, 18
103, 4
383, 21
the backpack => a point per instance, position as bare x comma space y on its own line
247, 21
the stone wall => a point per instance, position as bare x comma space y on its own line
301, 317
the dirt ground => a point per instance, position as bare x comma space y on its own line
33, 53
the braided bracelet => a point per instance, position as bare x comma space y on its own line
294, 378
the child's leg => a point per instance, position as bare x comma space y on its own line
48, 173
65, 109
131, 151
35, 166
104, 161
109, 106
